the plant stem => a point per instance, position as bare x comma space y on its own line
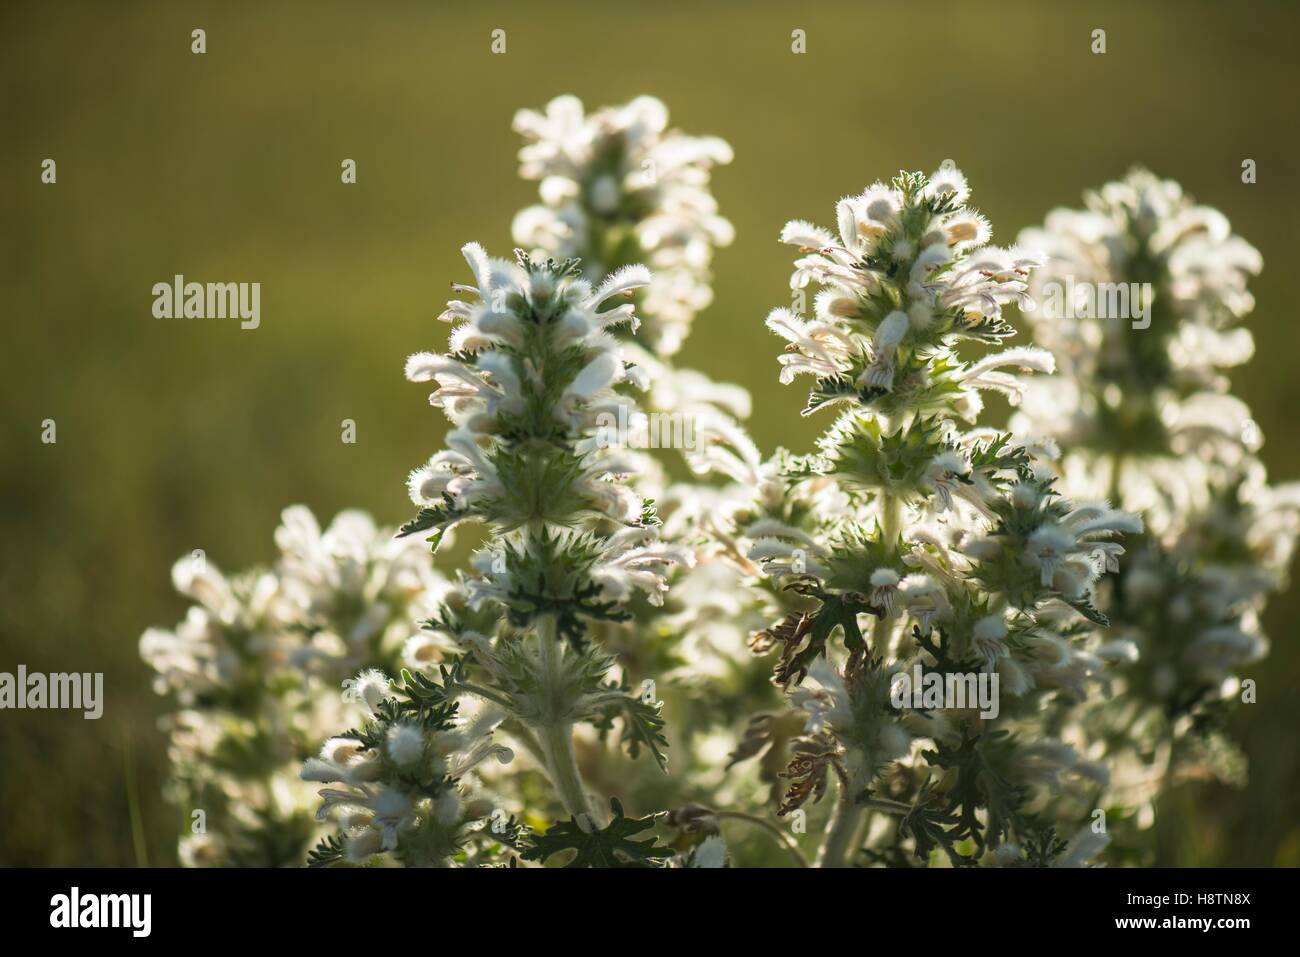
891, 516
525, 737
843, 833
556, 740
891, 520
886, 805
555, 733
484, 693
783, 838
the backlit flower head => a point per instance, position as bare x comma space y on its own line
617, 187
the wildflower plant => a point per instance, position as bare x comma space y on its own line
912, 538
251, 670
980, 639
1146, 410
618, 188
532, 365
400, 782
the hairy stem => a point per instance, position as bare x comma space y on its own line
843, 833
891, 516
555, 733
891, 520
845, 829
556, 740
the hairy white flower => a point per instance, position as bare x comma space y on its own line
1144, 290
633, 560
963, 651
621, 171
405, 744
368, 689
251, 667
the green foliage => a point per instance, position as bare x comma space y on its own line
610, 846
830, 391
975, 807
568, 268
418, 700
804, 635
328, 852
857, 452
999, 454
938, 644
437, 519
1044, 847
975, 787
549, 574
933, 824
855, 553
643, 723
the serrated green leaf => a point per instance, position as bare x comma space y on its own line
610, 846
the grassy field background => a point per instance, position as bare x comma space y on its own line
174, 436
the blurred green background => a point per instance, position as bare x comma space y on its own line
181, 435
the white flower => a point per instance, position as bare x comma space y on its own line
948, 474
884, 589
392, 812
783, 550
987, 279
948, 181
340, 751
1070, 555
592, 166
816, 347
368, 689
827, 704
982, 374
989, 640
925, 599
634, 561
405, 744
890, 332
353, 580
423, 649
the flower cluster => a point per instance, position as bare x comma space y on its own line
531, 373
250, 669
922, 544
401, 785
908, 276
1142, 296
530, 378
1145, 411
619, 187
984, 641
